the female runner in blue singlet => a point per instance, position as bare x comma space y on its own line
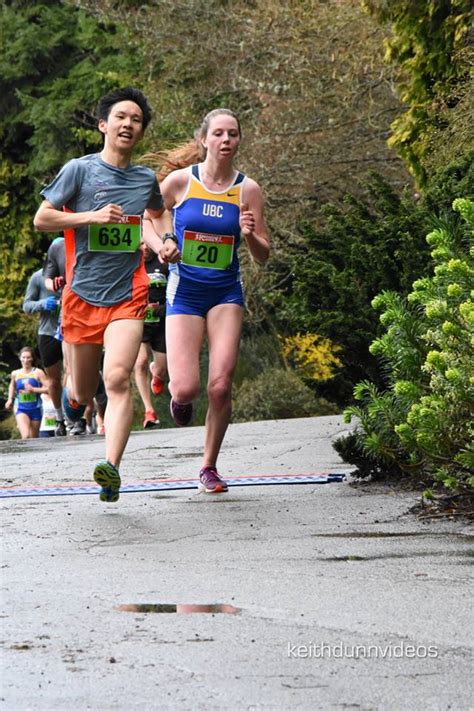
213, 204
26, 386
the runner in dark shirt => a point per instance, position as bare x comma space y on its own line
153, 341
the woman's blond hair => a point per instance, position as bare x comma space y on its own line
193, 151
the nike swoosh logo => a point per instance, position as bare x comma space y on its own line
232, 194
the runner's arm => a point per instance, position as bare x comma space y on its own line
49, 219
55, 284
11, 392
172, 190
157, 223
43, 388
252, 222
32, 303
54, 269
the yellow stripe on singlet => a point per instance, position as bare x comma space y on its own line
197, 190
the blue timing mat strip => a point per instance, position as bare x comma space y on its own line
171, 485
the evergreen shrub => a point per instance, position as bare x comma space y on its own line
422, 423
277, 393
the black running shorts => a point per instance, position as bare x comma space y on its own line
154, 334
50, 349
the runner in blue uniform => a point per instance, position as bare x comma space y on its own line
213, 204
99, 202
26, 385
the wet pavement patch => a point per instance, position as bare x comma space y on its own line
180, 608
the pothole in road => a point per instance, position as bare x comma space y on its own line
179, 608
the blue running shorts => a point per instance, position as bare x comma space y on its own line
197, 298
35, 413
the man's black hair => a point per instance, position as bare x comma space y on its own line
128, 93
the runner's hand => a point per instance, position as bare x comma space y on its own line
58, 283
247, 220
169, 253
108, 215
50, 303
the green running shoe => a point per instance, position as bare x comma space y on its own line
108, 477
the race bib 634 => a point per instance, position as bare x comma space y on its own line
117, 237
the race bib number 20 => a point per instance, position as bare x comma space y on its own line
117, 237
207, 250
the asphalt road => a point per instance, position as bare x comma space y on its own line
344, 598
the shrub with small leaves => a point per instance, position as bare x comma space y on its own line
423, 422
277, 393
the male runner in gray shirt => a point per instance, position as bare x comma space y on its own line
99, 202
39, 299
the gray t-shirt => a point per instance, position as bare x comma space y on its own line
34, 302
55, 263
102, 278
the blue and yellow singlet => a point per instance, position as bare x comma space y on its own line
206, 224
27, 401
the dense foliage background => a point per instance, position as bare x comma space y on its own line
357, 119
